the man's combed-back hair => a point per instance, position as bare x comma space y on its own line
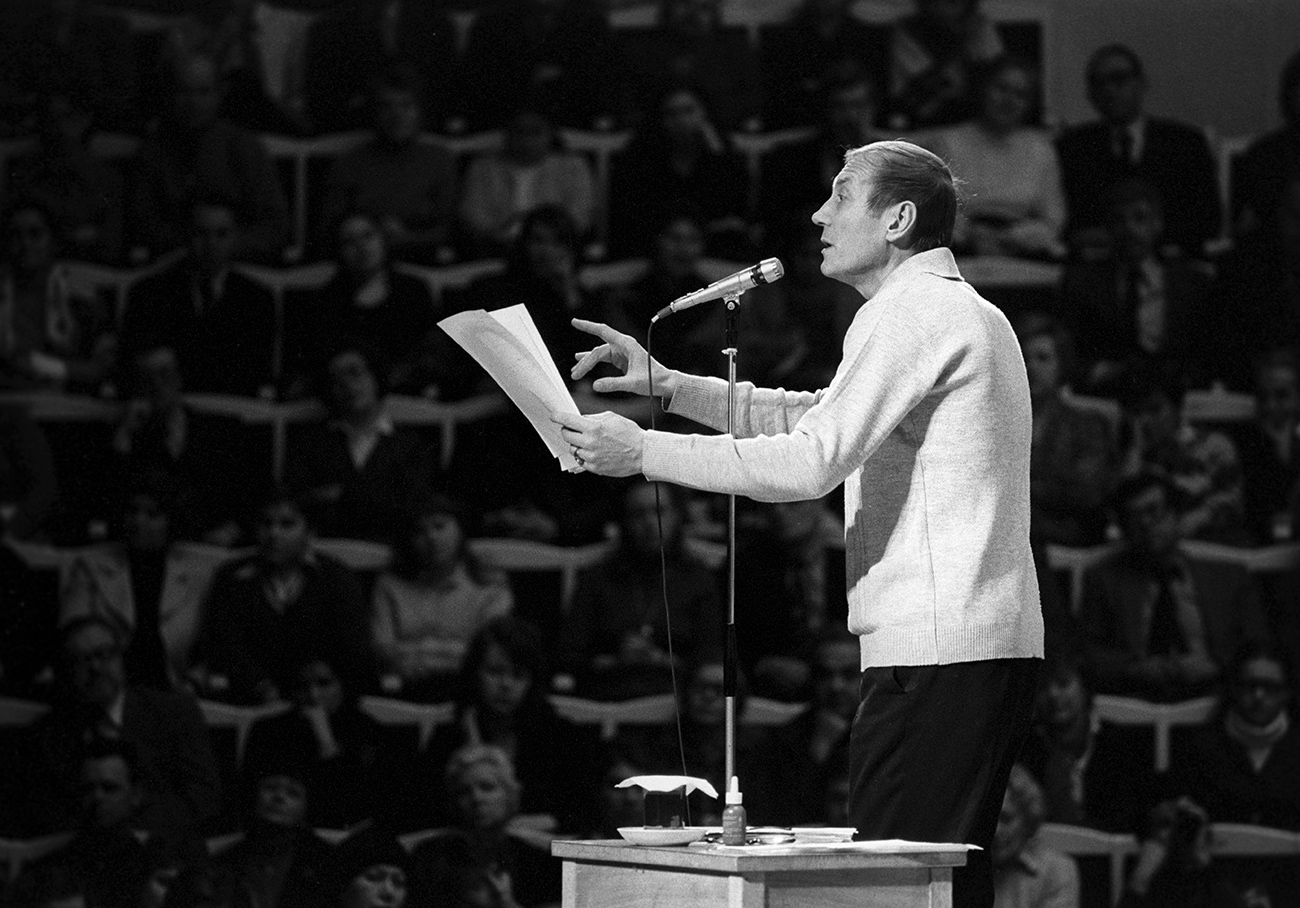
902, 172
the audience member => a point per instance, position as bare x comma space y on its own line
556, 55
1127, 143
357, 473
279, 862
1257, 300
1175, 866
105, 863
371, 303
268, 611
29, 485
220, 322
67, 46
797, 176
191, 153
433, 600
490, 855
530, 170
1073, 462
84, 194
146, 583
803, 57
690, 339
177, 777
1269, 446
933, 53
51, 336
1158, 622
1027, 873
1090, 773
1011, 179
408, 185
807, 754
208, 462
352, 43
690, 45
373, 870
1244, 767
1262, 171
335, 744
624, 630
1201, 464
502, 701
1138, 303
792, 586
678, 158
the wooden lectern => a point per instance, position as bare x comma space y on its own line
618, 874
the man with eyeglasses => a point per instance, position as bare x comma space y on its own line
177, 775
1124, 144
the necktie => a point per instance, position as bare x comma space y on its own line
1166, 636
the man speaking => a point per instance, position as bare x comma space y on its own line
927, 424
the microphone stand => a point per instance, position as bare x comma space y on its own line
730, 665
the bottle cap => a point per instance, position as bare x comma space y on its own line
733, 793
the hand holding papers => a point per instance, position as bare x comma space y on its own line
506, 343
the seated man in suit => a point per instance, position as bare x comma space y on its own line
1126, 143
177, 777
1159, 623
1138, 303
107, 862
220, 322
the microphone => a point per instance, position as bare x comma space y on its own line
765, 272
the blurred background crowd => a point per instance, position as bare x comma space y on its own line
244, 474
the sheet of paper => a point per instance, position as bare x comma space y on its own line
506, 343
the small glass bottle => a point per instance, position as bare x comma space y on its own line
733, 817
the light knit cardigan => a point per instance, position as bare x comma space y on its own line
927, 424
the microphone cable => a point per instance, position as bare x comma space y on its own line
663, 575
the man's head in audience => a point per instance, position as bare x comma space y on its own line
284, 532
92, 647
1146, 515
836, 672
29, 238
644, 511
1064, 698
1022, 814
145, 518
481, 781
502, 666
214, 236
280, 798
396, 99
110, 795
1116, 84
1259, 686
362, 247
1137, 220
158, 378
1277, 390
679, 245
196, 91
355, 389
1048, 350
1151, 396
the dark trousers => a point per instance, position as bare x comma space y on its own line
929, 756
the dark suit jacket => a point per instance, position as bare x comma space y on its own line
227, 348
178, 772
1176, 159
1091, 303
1116, 631
1215, 771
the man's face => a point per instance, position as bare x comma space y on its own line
352, 384
1150, 525
94, 656
641, 519
318, 686
281, 800
1062, 699
283, 535
1010, 835
160, 376
31, 244
1116, 88
397, 115
1138, 227
681, 244
683, 116
502, 685
1277, 397
853, 236
197, 94
212, 240
838, 672
378, 886
1008, 98
108, 794
483, 798
1042, 365
361, 246
1260, 692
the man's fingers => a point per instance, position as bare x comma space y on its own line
589, 360
602, 331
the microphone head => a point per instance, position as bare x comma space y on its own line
770, 270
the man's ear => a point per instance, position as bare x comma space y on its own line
901, 220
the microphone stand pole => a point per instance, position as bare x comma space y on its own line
730, 666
